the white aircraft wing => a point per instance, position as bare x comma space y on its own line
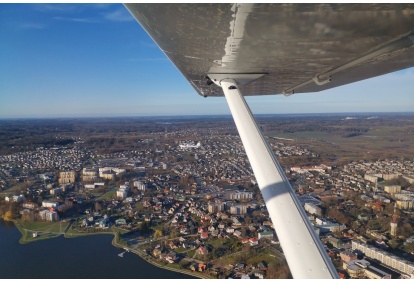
300, 47
259, 49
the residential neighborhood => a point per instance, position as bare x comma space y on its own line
198, 208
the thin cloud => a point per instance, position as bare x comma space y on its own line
120, 15
77, 20
55, 7
102, 6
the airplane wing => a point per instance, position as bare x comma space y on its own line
257, 49
299, 47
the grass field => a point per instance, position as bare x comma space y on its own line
379, 142
13, 189
44, 230
108, 195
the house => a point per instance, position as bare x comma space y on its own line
347, 256
194, 267
265, 234
245, 241
267, 223
259, 274
202, 267
198, 267
239, 266
253, 242
342, 275
183, 230
172, 245
202, 251
335, 242
120, 221
347, 233
237, 234
204, 235
156, 252
171, 257
29, 205
377, 207
230, 230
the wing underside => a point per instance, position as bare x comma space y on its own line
298, 47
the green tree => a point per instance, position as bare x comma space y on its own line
409, 247
374, 224
158, 233
405, 230
173, 234
394, 243
145, 227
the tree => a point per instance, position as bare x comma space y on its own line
28, 216
98, 206
158, 234
173, 234
40, 200
409, 247
8, 216
394, 243
405, 230
145, 227
243, 231
400, 181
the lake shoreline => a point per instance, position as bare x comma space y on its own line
68, 235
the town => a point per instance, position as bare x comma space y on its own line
185, 198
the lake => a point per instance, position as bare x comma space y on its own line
89, 257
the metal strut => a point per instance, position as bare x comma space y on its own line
303, 250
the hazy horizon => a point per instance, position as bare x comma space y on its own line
210, 115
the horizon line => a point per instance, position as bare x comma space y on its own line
196, 115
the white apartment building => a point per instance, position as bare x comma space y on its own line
384, 257
312, 208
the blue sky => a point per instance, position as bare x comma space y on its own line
80, 60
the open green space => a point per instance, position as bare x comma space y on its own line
379, 142
42, 230
15, 188
263, 256
250, 256
108, 195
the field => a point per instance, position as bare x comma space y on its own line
44, 230
108, 195
335, 147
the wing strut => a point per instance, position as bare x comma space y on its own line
304, 251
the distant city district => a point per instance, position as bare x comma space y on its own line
194, 204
